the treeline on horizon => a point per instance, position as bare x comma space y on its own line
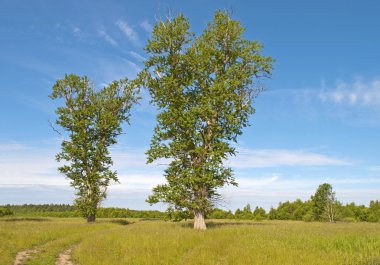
297, 210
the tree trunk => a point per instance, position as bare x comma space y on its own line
199, 220
91, 219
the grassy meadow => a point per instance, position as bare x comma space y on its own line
138, 241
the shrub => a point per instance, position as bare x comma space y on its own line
308, 217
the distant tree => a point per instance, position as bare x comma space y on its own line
238, 214
6, 210
230, 215
247, 212
203, 87
272, 215
374, 211
259, 213
92, 121
218, 214
324, 203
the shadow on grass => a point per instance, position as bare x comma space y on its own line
27, 219
121, 222
150, 219
211, 224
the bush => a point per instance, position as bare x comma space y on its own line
308, 217
349, 220
5, 211
373, 217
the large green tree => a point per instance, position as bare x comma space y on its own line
203, 87
92, 121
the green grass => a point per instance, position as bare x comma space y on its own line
225, 242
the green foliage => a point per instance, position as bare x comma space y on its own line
5, 210
308, 217
203, 87
44, 210
65, 210
220, 214
92, 121
297, 210
324, 203
291, 210
245, 214
374, 211
259, 214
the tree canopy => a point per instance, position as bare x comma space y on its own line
204, 88
323, 202
91, 121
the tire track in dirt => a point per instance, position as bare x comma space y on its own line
23, 256
64, 258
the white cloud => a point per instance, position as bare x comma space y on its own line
267, 191
134, 66
134, 159
374, 168
11, 147
137, 56
28, 173
34, 164
26, 164
77, 32
102, 33
257, 182
356, 103
358, 93
263, 158
112, 68
145, 25
144, 180
50, 71
127, 30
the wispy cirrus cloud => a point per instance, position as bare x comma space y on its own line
264, 158
258, 182
103, 34
356, 103
128, 31
374, 168
137, 56
145, 25
358, 93
77, 32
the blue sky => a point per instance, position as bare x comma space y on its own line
318, 120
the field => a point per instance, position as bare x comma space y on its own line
138, 241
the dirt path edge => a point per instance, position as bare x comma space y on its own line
64, 257
23, 256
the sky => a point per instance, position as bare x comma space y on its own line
317, 121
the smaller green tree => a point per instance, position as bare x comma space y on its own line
323, 203
247, 212
374, 211
5, 211
272, 215
92, 121
259, 213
